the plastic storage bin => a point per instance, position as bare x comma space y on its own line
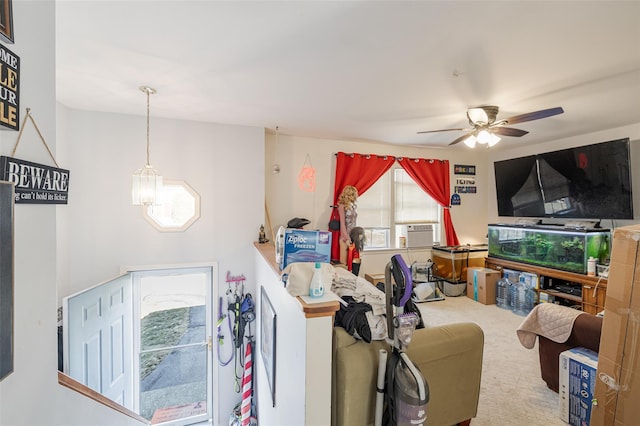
451, 262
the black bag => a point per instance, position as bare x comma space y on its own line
298, 222
334, 224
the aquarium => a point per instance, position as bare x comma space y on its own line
550, 246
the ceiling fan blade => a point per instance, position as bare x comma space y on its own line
443, 130
461, 138
508, 131
536, 115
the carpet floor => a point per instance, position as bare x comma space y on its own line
512, 391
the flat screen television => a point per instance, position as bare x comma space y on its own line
586, 182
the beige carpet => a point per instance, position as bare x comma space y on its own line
512, 391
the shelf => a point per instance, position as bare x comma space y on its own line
547, 272
556, 293
593, 288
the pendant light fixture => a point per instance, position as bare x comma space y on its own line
147, 182
276, 166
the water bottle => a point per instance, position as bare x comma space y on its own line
529, 299
316, 289
518, 291
502, 293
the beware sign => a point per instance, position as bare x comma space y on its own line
35, 183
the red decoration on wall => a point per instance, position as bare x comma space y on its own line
307, 179
583, 160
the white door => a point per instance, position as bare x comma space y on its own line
99, 342
143, 340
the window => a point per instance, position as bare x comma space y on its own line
390, 205
177, 209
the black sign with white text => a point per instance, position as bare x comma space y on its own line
35, 183
9, 89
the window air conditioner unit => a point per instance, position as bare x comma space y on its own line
419, 236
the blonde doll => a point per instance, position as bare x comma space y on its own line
347, 210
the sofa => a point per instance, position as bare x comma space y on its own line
585, 333
449, 356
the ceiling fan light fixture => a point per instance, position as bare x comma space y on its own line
484, 137
470, 141
493, 140
477, 116
485, 128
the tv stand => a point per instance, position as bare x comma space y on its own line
593, 288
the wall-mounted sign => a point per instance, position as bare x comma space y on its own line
462, 169
465, 189
455, 199
9, 89
35, 183
466, 181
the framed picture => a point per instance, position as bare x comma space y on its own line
6, 21
268, 340
6, 279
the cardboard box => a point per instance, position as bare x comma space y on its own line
576, 384
481, 284
546, 298
306, 246
617, 392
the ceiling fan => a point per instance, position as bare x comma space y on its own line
485, 128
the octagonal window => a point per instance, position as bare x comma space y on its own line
177, 209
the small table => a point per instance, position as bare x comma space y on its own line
374, 278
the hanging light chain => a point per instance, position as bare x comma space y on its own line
149, 91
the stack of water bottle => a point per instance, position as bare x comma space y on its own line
516, 291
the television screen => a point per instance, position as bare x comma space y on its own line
587, 182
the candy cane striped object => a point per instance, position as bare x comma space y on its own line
245, 407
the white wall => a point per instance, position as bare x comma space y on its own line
31, 394
104, 232
632, 132
286, 200
222, 163
303, 348
290, 366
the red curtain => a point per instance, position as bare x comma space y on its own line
433, 177
361, 171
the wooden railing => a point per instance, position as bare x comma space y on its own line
74, 385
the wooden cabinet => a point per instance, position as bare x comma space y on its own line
593, 288
593, 298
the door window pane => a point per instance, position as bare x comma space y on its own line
173, 346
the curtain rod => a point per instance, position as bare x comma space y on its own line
351, 154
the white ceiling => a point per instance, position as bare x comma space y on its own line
370, 70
